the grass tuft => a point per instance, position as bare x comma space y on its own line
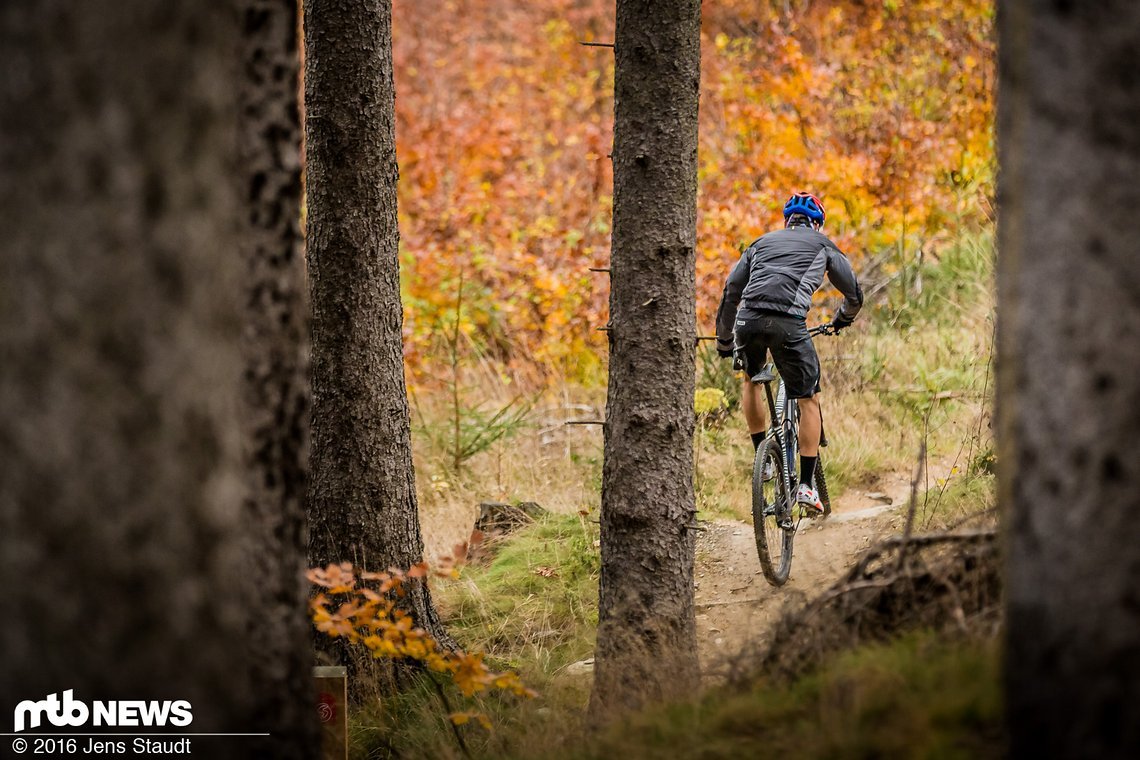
535, 605
532, 609
919, 696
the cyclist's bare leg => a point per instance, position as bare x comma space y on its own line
810, 426
755, 407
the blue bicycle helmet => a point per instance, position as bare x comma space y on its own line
806, 204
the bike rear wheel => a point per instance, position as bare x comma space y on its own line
820, 483
771, 513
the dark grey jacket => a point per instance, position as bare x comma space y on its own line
780, 272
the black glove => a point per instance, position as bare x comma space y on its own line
840, 322
724, 348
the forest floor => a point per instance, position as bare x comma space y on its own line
532, 608
737, 607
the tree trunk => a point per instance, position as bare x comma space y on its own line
120, 461
647, 645
362, 498
276, 387
1068, 380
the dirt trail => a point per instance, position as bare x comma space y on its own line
735, 604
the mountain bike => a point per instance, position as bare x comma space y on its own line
775, 514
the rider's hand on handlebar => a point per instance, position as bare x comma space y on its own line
724, 348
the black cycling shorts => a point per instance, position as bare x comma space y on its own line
787, 338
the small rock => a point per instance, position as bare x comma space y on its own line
582, 667
718, 642
877, 496
715, 630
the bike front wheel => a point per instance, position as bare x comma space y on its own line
771, 513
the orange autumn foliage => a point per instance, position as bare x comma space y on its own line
883, 108
363, 608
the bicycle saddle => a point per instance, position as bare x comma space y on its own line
765, 375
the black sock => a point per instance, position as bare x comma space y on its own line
757, 439
807, 469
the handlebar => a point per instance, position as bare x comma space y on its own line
827, 328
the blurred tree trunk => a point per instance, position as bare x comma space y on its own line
647, 647
121, 479
1069, 374
362, 497
276, 345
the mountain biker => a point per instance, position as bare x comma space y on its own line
764, 308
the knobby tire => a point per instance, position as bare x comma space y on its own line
820, 483
773, 542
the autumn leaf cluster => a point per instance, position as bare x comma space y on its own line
505, 122
364, 608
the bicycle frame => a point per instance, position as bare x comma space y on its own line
784, 426
785, 421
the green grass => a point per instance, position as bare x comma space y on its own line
921, 696
916, 367
962, 495
534, 622
535, 605
953, 283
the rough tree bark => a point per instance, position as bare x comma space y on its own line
120, 370
1069, 374
276, 379
362, 497
647, 645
